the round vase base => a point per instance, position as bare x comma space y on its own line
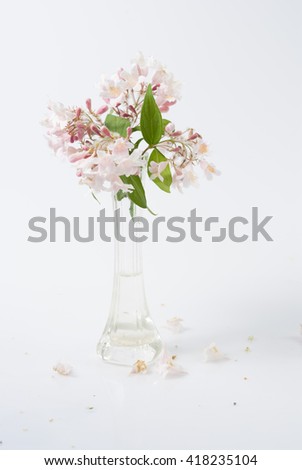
128, 355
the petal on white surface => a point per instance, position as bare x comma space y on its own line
168, 366
212, 354
175, 324
139, 367
62, 369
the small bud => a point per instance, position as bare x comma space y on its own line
129, 132
193, 136
102, 109
105, 131
88, 104
94, 129
78, 113
132, 109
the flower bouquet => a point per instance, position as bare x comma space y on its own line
113, 147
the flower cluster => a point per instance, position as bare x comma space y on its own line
112, 145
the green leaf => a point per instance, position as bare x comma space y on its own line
136, 128
138, 194
151, 120
117, 124
120, 195
157, 156
151, 212
165, 122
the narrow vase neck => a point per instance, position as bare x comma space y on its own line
128, 253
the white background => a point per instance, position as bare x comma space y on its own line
240, 65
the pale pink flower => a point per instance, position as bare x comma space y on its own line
130, 79
131, 164
209, 169
118, 185
58, 143
76, 156
106, 165
88, 164
189, 177
168, 91
177, 179
111, 88
58, 116
120, 148
60, 113
141, 64
201, 147
156, 169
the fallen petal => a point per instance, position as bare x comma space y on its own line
140, 367
175, 324
168, 367
62, 369
212, 354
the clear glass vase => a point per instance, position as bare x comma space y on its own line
130, 333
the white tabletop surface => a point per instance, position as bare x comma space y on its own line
250, 400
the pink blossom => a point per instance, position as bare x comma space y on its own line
111, 88
130, 79
190, 178
141, 64
120, 148
131, 164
